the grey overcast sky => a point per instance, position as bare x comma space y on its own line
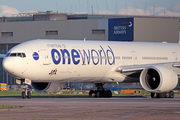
130, 7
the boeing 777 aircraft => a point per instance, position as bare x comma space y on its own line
47, 64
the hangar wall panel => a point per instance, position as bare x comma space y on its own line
71, 29
156, 30
103, 24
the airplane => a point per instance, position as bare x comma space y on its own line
48, 64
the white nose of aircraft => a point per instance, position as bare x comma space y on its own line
8, 65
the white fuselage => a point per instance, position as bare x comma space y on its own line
89, 61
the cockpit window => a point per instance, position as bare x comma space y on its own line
23, 55
19, 54
16, 55
13, 54
7, 55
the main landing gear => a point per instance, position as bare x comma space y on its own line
26, 94
169, 94
100, 92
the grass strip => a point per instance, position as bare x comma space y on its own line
2, 106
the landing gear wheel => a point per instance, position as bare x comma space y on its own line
98, 94
161, 95
153, 95
171, 94
23, 95
29, 95
109, 94
90, 93
167, 95
105, 94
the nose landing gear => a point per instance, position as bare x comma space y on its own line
26, 94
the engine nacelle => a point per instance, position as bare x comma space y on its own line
47, 87
158, 79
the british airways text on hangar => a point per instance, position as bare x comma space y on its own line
121, 29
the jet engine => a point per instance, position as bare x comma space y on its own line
158, 79
47, 87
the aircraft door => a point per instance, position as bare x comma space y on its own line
45, 57
175, 56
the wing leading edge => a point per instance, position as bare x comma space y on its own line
129, 69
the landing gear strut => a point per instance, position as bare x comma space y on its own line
100, 92
25, 82
26, 94
169, 94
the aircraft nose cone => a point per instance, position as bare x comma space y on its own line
8, 65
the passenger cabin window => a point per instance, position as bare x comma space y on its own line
8, 54
13, 54
16, 55
23, 55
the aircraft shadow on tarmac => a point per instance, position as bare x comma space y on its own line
71, 96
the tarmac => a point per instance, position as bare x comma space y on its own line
138, 108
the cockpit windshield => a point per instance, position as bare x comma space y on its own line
16, 55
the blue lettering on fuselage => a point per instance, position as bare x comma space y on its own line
88, 56
75, 56
56, 56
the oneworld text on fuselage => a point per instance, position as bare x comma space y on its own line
97, 57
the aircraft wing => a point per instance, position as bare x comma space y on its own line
129, 69
2, 55
177, 64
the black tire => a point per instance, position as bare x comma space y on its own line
171, 94
161, 95
23, 95
101, 94
109, 93
90, 93
105, 94
98, 94
152, 95
167, 94
29, 95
